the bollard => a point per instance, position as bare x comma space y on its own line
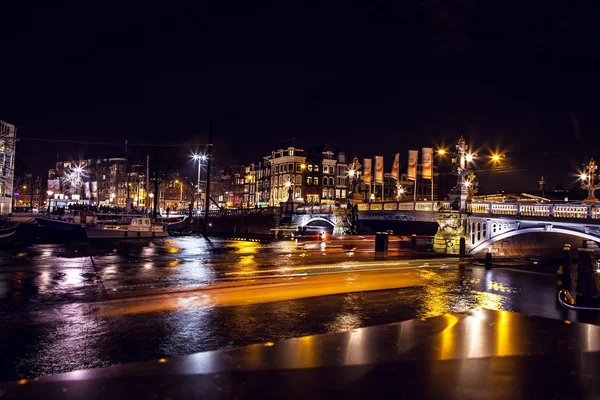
566, 268
382, 240
588, 281
488, 260
413, 242
463, 247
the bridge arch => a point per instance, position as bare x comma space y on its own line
315, 219
481, 246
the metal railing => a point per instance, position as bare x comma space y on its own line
570, 211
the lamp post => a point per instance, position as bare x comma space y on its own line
588, 182
151, 196
200, 158
354, 174
49, 193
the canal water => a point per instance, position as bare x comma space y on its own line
51, 308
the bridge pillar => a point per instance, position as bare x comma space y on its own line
451, 229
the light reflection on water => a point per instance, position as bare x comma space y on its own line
50, 321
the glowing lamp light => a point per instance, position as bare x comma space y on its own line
583, 177
495, 157
302, 166
469, 157
351, 173
288, 184
441, 152
151, 195
467, 183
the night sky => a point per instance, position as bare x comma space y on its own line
365, 77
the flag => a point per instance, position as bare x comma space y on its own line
427, 162
378, 169
367, 171
54, 185
94, 189
396, 166
413, 157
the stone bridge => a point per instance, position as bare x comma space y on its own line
488, 223
481, 225
420, 211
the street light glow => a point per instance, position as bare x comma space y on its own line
495, 157
302, 166
467, 183
469, 157
351, 173
583, 177
441, 152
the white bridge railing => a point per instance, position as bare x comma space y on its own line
571, 211
381, 206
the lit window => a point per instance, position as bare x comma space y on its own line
309, 180
326, 169
316, 181
309, 167
316, 168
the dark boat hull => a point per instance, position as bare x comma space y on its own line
58, 225
177, 226
7, 233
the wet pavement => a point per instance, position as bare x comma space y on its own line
179, 296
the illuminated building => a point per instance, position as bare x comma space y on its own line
8, 137
287, 167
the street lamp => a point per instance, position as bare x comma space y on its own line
587, 182
200, 158
400, 189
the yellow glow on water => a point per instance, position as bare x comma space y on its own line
491, 301
223, 295
504, 343
246, 264
21, 254
162, 360
243, 247
174, 263
447, 348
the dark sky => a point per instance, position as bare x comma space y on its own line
366, 77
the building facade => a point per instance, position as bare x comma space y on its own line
286, 173
8, 140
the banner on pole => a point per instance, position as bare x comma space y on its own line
94, 189
54, 185
378, 169
413, 156
367, 171
396, 166
427, 162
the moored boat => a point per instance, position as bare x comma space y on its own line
138, 227
176, 226
7, 230
65, 223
